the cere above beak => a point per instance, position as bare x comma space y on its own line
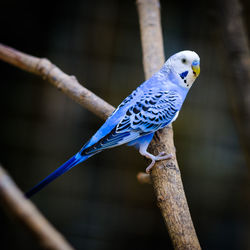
196, 68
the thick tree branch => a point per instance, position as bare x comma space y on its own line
165, 176
67, 84
20, 208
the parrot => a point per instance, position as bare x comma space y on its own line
151, 106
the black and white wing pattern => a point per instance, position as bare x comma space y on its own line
153, 111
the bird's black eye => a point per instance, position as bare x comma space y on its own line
183, 60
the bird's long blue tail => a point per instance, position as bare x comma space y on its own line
73, 161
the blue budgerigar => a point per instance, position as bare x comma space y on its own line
152, 106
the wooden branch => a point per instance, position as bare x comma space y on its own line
67, 84
144, 178
236, 44
165, 175
20, 208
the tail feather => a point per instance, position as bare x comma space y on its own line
73, 161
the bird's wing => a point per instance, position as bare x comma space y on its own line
152, 111
115, 117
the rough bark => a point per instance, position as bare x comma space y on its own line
165, 175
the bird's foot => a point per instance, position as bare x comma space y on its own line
161, 156
148, 169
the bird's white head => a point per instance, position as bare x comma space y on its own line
186, 66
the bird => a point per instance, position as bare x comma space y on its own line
151, 106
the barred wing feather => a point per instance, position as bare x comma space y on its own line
152, 112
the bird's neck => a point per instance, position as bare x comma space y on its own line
172, 80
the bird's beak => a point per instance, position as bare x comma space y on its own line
196, 68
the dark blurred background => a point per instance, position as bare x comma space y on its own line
100, 204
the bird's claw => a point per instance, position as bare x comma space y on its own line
148, 169
161, 156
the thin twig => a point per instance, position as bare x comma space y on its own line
165, 175
20, 208
143, 178
67, 84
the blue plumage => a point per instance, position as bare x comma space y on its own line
61, 170
152, 106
